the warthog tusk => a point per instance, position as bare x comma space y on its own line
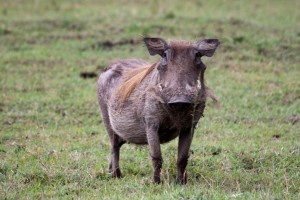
198, 84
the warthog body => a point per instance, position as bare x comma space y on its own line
144, 103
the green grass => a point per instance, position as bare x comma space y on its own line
52, 141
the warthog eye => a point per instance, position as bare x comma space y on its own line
164, 55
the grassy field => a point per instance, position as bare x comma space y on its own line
52, 141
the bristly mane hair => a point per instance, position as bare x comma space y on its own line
131, 80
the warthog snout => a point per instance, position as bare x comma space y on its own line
180, 102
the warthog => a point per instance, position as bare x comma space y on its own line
144, 103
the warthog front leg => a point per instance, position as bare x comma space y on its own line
184, 144
155, 152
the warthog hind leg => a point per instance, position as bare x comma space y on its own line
116, 144
115, 141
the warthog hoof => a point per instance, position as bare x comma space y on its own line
182, 180
156, 180
117, 173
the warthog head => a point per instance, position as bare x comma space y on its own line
180, 69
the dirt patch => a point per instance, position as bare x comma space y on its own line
47, 24
216, 151
32, 62
247, 161
293, 119
9, 122
108, 45
1, 107
4, 31
49, 38
276, 136
87, 75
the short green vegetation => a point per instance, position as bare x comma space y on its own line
52, 141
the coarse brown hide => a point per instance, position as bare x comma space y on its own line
144, 103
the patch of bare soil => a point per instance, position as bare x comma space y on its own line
293, 119
48, 24
1, 107
41, 62
4, 31
108, 45
87, 75
276, 136
49, 38
246, 160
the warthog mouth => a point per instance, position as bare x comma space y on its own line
180, 103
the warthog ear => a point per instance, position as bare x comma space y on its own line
155, 45
207, 47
